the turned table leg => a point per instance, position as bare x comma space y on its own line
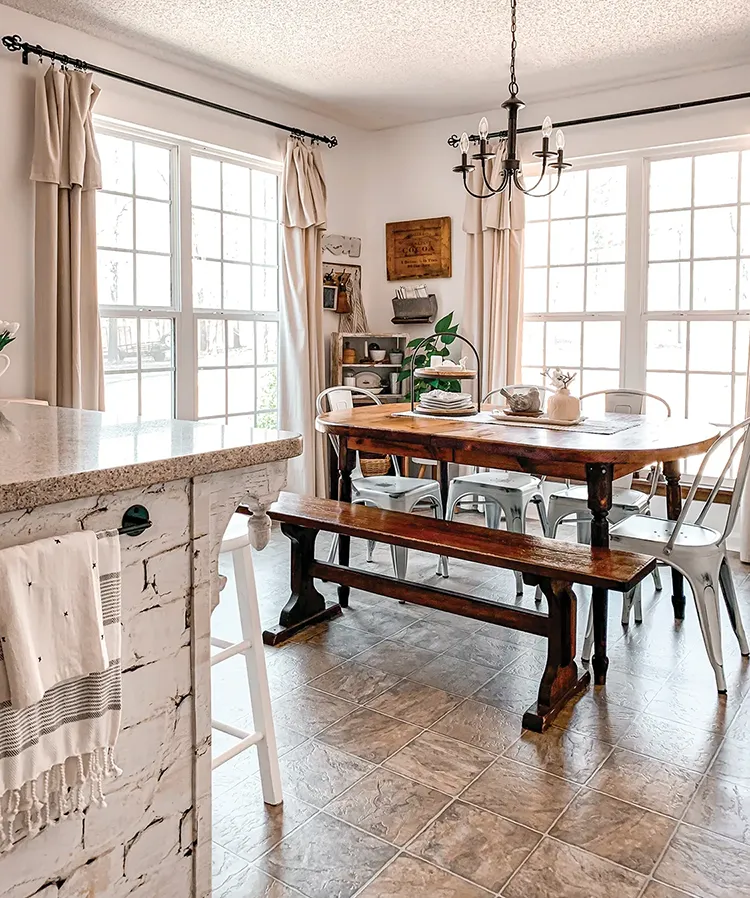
674, 507
599, 481
347, 461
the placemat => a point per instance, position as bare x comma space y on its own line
613, 424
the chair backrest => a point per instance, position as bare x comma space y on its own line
626, 401
738, 435
342, 398
511, 387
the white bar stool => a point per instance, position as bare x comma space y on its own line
237, 542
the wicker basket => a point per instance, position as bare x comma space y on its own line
375, 467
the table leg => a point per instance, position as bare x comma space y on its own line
674, 507
347, 461
599, 481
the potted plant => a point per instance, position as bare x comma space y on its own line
445, 331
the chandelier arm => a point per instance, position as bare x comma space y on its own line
486, 196
486, 181
538, 196
541, 178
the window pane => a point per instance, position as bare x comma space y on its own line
533, 344
265, 194
206, 284
566, 289
567, 242
745, 232
746, 177
153, 280
236, 238
265, 289
236, 188
121, 396
669, 286
241, 344
710, 397
670, 183
115, 278
241, 390
669, 236
740, 398
236, 286
535, 243
265, 236
666, 345
716, 179
535, 290
156, 342
266, 380
745, 284
564, 344
205, 182
670, 387
211, 342
211, 392
594, 380
741, 345
605, 288
267, 420
607, 239
206, 234
157, 395
710, 346
715, 232
715, 284
537, 207
267, 336
114, 221
152, 226
152, 171
607, 188
601, 344
569, 199
116, 155
119, 343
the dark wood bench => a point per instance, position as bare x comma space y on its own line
554, 566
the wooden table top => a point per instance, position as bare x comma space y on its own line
374, 428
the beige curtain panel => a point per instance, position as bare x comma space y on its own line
493, 281
67, 172
302, 363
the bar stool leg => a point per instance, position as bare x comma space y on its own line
257, 677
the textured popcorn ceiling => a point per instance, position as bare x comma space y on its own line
378, 63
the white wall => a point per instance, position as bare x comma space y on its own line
140, 107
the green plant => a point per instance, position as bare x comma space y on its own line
445, 331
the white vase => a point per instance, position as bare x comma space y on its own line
563, 407
4, 363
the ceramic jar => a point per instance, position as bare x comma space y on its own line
561, 406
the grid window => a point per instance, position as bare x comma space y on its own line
235, 289
135, 276
574, 278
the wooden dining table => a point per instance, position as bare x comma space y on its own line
575, 452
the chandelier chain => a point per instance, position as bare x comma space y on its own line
513, 86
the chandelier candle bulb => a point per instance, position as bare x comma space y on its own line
547, 127
559, 140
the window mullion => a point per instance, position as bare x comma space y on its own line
185, 337
633, 342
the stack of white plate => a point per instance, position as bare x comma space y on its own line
445, 403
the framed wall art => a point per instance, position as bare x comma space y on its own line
418, 249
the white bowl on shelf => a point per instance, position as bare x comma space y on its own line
377, 355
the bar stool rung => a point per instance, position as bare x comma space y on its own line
234, 649
243, 745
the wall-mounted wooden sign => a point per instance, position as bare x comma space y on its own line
418, 249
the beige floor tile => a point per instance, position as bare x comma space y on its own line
389, 806
345, 641
652, 784
326, 858
440, 762
615, 830
658, 890
494, 652
480, 725
249, 828
673, 742
369, 735
705, 864
432, 635
228, 872
381, 621
723, 807
415, 703
246, 882
571, 755
455, 620
594, 716
509, 693
453, 675
475, 844
628, 690
317, 773
521, 793
705, 709
530, 665
305, 660
394, 657
354, 682
309, 711
409, 877
732, 763
558, 870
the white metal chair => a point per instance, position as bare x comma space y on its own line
573, 500
506, 491
391, 492
236, 542
697, 551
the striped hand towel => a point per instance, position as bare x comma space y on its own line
56, 753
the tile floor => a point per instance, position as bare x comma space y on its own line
407, 774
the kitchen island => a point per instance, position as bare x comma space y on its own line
63, 470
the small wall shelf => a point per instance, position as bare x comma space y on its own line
392, 342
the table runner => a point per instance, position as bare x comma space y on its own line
613, 424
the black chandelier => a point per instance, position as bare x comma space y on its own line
512, 164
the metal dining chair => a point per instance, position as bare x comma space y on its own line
391, 492
697, 551
506, 491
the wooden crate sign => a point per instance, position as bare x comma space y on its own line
418, 249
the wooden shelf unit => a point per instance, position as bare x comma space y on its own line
359, 342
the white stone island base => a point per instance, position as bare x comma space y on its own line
153, 840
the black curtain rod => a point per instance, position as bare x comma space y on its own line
453, 140
14, 43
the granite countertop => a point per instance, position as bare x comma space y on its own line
54, 454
